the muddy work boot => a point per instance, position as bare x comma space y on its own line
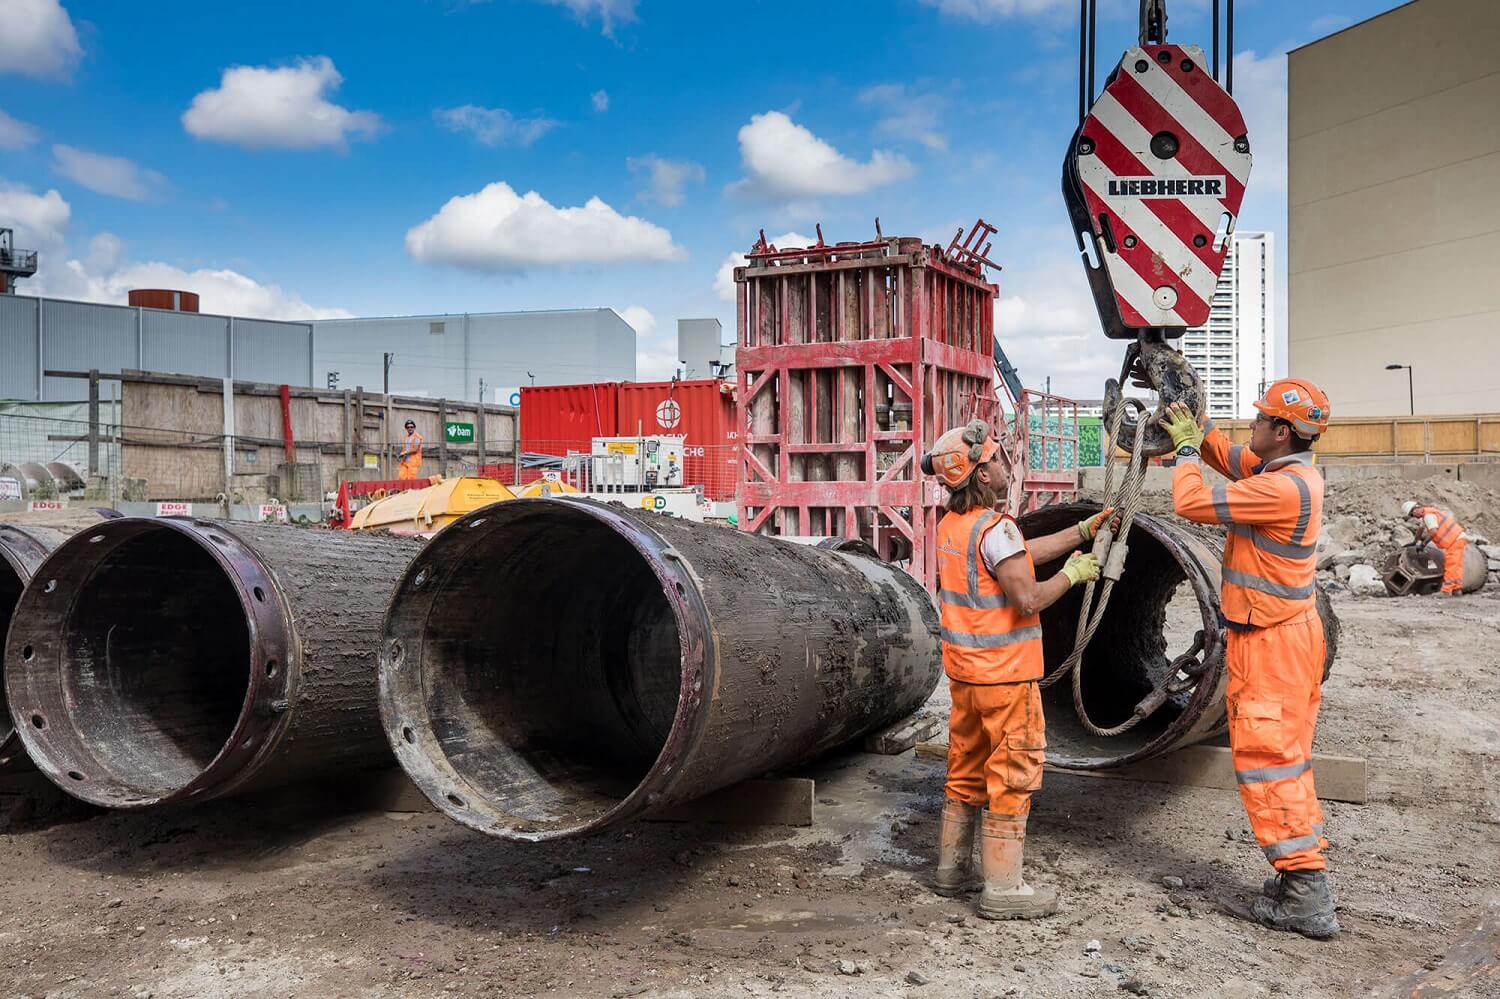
1302, 905
1006, 896
955, 870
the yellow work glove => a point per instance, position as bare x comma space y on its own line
1182, 426
1089, 526
1081, 568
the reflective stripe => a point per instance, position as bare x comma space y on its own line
1250, 582
979, 526
981, 602
1272, 773
1297, 843
1221, 504
1236, 455
1304, 508
1209, 426
991, 641
1274, 547
1317, 828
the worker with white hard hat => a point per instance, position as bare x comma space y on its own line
1438, 527
990, 599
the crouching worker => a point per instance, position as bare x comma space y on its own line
990, 600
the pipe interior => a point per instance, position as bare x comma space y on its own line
156, 664
551, 665
1151, 619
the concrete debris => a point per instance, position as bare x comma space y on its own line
1365, 581
916, 978
1172, 881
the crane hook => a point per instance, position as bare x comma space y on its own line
1152, 363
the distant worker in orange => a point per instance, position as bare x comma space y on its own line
1437, 527
411, 453
990, 599
1272, 507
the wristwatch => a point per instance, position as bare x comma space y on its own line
1187, 451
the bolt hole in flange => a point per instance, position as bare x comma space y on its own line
28, 653
260, 595
96, 539
408, 735
455, 799
271, 669
51, 585
38, 722
75, 775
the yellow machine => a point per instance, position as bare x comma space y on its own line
427, 511
546, 487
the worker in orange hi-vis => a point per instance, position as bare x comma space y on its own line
1437, 526
1272, 507
990, 598
411, 453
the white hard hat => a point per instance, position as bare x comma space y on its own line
1408, 507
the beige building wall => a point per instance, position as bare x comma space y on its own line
1394, 210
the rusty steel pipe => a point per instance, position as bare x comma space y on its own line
22, 549
552, 667
169, 660
1170, 590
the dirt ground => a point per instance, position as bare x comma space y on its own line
290, 895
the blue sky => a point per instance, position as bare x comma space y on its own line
290, 159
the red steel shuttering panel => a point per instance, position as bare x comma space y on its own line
702, 411
556, 419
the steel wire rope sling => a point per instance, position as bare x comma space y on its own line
1111, 551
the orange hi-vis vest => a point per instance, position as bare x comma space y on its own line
985, 640
1270, 566
1447, 530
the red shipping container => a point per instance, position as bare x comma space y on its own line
558, 418
702, 411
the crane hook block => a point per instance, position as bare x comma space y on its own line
1152, 363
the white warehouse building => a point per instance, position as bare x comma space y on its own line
438, 356
450, 355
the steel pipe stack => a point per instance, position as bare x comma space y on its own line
22, 549
1169, 591
168, 660
552, 667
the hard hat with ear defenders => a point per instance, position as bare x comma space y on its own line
956, 454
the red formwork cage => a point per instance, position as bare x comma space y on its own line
852, 358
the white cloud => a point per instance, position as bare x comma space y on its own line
37, 39
905, 115
103, 274
112, 175
494, 126
600, 100
724, 278
1046, 322
609, 12
286, 107
15, 134
39, 220
987, 11
784, 159
497, 230
667, 178
655, 349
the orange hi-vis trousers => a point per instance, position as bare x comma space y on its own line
1275, 677
996, 738
1453, 565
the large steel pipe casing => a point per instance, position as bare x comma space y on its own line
552, 667
1170, 590
22, 549
157, 661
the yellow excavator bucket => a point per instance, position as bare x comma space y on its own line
429, 510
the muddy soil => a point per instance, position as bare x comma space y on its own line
290, 895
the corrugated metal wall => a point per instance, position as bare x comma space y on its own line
77, 336
17, 347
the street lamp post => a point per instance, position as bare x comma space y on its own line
1411, 398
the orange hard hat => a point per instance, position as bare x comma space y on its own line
1298, 402
956, 454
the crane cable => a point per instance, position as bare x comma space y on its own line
1111, 550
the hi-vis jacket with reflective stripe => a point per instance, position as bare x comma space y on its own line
985, 639
1273, 512
1441, 527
